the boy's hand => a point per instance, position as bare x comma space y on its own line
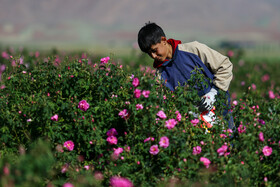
208, 100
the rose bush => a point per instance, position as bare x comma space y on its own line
122, 126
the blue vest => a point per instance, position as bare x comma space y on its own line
177, 71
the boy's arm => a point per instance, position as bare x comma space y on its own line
218, 64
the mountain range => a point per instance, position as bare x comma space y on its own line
116, 22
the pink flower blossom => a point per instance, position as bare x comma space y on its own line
222, 150
54, 118
261, 137
135, 82
146, 93
241, 129
2, 68
164, 142
112, 132
148, 139
205, 161
86, 167
137, 93
265, 78
112, 140
68, 185
154, 150
118, 151
139, 107
195, 121
64, 168
161, 114
170, 124
5, 55
230, 53
124, 114
120, 182
235, 102
271, 94
104, 60
254, 86
83, 105
196, 150
179, 116
267, 151
69, 145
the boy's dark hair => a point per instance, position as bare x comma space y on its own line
149, 35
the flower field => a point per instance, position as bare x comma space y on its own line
78, 120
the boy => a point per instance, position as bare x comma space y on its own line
175, 61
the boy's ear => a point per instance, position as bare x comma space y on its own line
163, 39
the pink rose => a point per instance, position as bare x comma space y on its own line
112, 140
267, 151
118, 151
83, 105
148, 139
69, 145
135, 82
271, 94
164, 142
146, 93
161, 114
205, 161
222, 150
139, 107
120, 182
124, 114
112, 132
261, 137
170, 124
54, 118
195, 121
68, 185
104, 60
179, 116
137, 93
154, 150
196, 150
241, 129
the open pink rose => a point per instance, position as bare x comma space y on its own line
267, 151
112, 140
69, 145
104, 60
135, 82
170, 124
83, 105
161, 114
164, 142
222, 150
205, 161
137, 93
195, 121
154, 149
196, 150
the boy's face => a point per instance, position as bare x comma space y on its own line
161, 51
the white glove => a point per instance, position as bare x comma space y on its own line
208, 100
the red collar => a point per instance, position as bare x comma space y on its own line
174, 44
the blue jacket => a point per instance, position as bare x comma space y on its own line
177, 71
